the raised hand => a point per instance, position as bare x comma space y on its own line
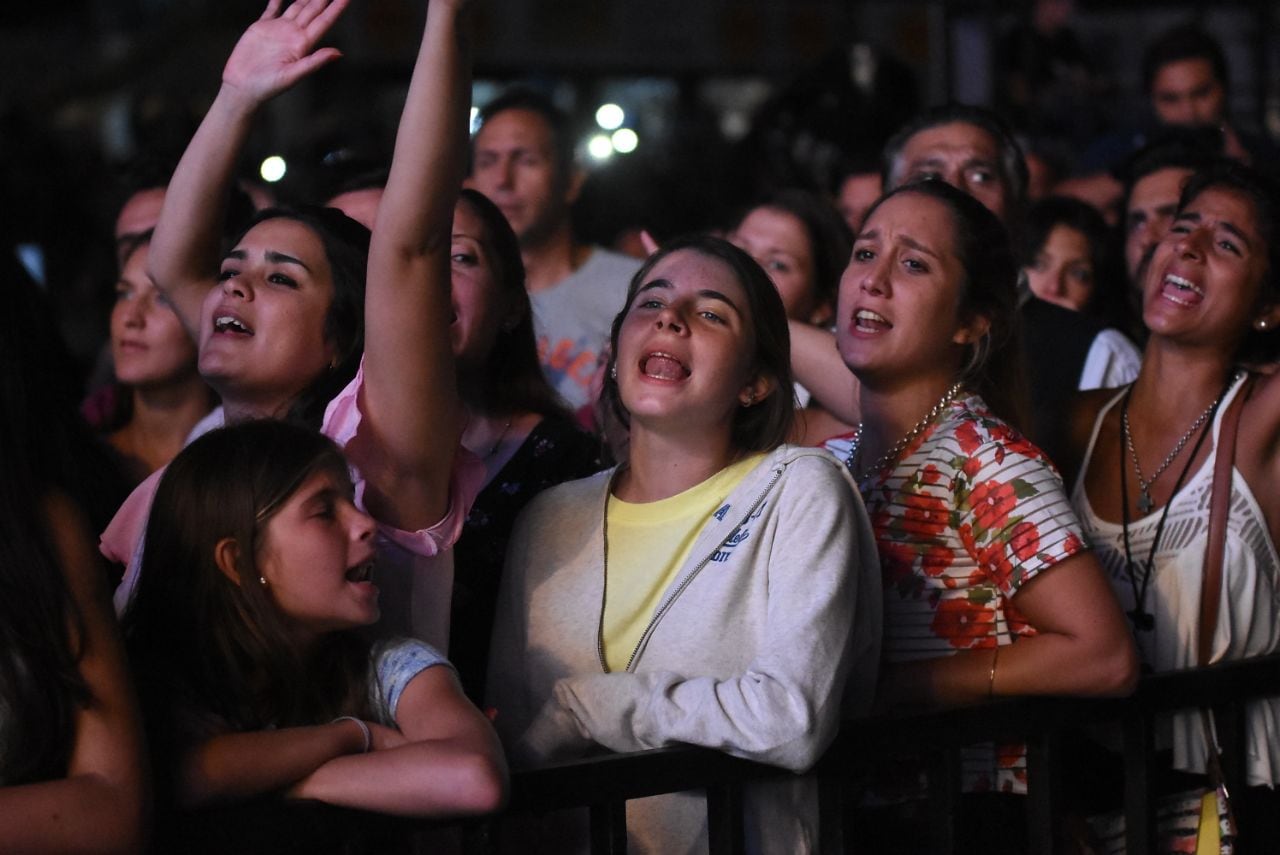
278, 49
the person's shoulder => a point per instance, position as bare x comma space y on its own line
610, 263
569, 497
982, 436
807, 465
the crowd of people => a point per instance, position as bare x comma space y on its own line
397, 491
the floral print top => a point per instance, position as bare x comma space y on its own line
971, 512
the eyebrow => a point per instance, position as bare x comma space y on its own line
909, 241
271, 256
1227, 226
710, 293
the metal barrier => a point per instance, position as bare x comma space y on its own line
604, 784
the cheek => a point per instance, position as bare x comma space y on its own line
118, 315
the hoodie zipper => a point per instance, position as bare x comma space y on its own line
684, 583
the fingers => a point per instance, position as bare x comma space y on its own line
322, 19
646, 240
310, 63
273, 9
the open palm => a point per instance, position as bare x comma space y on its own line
278, 49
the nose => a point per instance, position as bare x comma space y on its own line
875, 279
135, 314
238, 286
671, 319
362, 526
506, 170
1190, 244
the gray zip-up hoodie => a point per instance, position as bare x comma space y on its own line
749, 652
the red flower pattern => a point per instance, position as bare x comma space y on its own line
959, 578
961, 622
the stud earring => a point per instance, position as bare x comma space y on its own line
613, 371
1261, 323
262, 580
751, 399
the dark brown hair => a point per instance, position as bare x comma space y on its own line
993, 367
510, 379
203, 645
767, 424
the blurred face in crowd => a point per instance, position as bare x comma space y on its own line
856, 196
963, 155
779, 243
138, 214
1186, 92
515, 166
1062, 272
149, 347
1152, 204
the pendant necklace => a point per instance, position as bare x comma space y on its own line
891, 455
1145, 502
1143, 619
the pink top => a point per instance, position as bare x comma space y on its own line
414, 569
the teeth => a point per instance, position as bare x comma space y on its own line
224, 323
865, 319
1183, 284
361, 573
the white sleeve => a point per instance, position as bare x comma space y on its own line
1113, 361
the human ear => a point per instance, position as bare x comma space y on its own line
226, 554
1268, 319
972, 330
757, 390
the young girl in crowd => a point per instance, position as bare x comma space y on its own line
802, 243
989, 589
716, 589
286, 320
515, 422
1067, 259
258, 565
1211, 303
162, 395
72, 776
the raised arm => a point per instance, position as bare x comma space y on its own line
101, 803
275, 52
410, 406
817, 365
450, 764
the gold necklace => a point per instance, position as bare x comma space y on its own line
898, 447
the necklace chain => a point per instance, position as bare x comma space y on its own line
898, 447
1145, 502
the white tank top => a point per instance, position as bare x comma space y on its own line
1249, 609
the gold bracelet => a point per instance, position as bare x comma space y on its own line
991, 679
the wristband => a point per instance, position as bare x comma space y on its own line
368, 735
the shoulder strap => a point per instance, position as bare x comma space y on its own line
1219, 504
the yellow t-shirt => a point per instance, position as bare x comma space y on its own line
647, 545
